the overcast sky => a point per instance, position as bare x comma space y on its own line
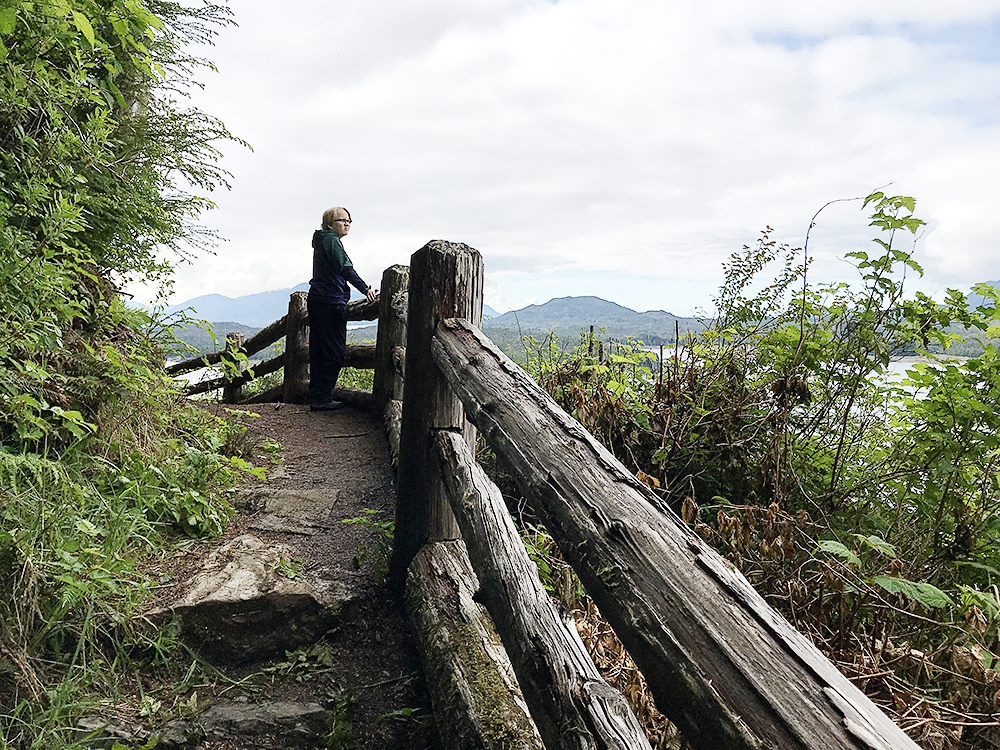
617, 148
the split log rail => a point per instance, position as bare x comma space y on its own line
724, 666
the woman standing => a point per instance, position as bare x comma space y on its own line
329, 294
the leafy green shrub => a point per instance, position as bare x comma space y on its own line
351, 377
863, 506
99, 462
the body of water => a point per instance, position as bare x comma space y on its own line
197, 376
898, 367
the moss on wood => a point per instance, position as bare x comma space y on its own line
476, 700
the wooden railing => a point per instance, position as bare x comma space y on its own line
293, 361
724, 666
728, 669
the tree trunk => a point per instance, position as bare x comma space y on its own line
353, 396
393, 416
721, 663
363, 309
232, 390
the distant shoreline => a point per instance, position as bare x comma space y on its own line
916, 359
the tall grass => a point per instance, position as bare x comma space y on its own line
76, 535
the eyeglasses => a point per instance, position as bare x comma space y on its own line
343, 221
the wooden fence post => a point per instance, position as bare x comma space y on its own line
296, 383
446, 280
233, 392
391, 334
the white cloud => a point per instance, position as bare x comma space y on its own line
588, 140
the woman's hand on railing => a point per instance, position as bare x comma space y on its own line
372, 294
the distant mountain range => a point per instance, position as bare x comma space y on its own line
557, 315
566, 317
255, 310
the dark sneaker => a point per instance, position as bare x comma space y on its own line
326, 406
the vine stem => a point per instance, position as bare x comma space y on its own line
805, 267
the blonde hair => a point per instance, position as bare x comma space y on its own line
332, 214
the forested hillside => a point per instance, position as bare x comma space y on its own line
203, 337
567, 316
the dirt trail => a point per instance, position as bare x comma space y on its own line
366, 668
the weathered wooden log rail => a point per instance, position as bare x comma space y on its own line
725, 667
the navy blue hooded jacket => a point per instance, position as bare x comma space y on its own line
332, 270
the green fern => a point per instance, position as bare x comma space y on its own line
26, 473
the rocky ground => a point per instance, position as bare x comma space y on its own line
347, 673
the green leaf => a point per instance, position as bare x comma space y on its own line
8, 20
83, 24
140, 11
616, 387
985, 600
980, 566
838, 549
925, 593
86, 527
878, 544
876, 196
57, 8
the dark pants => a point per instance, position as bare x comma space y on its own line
327, 347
